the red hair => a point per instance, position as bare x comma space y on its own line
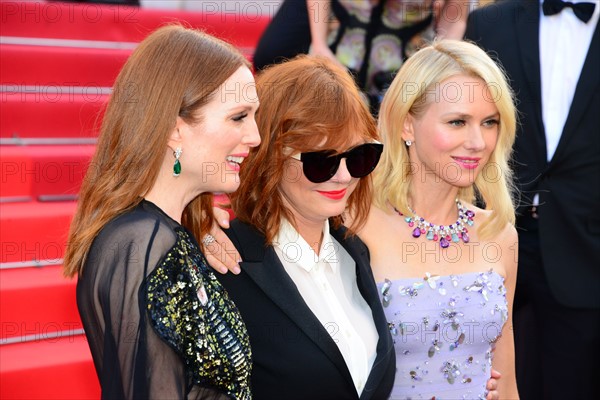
173, 73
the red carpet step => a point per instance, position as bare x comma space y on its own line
117, 23
51, 112
45, 173
34, 231
59, 368
57, 66
37, 302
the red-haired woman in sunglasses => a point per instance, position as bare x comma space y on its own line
306, 291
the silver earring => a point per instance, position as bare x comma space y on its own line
408, 143
177, 164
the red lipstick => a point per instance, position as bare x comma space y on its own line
333, 194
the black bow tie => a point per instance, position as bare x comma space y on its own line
583, 11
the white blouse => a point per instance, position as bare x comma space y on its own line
327, 283
564, 44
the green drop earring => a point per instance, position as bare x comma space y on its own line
177, 164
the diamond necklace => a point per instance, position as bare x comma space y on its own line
445, 234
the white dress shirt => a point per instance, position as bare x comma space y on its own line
327, 283
564, 43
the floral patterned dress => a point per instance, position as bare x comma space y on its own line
375, 37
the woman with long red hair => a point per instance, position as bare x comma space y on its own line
306, 290
177, 128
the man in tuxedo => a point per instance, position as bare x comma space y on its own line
551, 53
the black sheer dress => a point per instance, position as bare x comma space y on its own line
159, 324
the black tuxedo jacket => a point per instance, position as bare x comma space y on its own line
569, 184
294, 357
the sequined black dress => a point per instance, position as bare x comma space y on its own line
159, 325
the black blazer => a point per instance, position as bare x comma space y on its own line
569, 184
294, 357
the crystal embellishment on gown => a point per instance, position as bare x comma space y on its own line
444, 329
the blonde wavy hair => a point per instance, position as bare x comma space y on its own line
408, 94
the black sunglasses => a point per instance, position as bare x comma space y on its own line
320, 166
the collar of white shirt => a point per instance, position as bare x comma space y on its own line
297, 251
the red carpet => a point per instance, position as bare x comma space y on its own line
58, 64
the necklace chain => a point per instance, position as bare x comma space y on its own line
444, 233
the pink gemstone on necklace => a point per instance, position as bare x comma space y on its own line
423, 230
435, 237
411, 224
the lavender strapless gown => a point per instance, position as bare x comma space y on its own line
444, 328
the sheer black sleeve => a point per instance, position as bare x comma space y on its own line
132, 359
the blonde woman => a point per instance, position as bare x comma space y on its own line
446, 268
